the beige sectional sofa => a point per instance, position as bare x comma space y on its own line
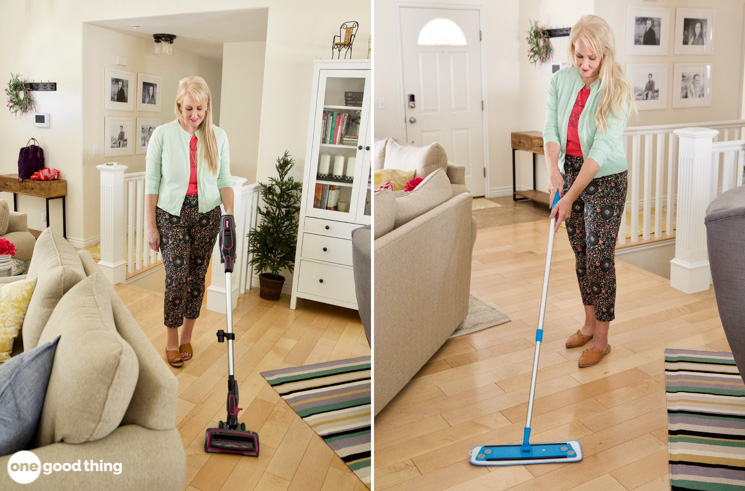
423, 249
110, 396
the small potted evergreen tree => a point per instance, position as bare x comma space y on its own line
273, 241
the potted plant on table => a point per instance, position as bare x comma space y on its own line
272, 243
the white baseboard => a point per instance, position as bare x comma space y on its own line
503, 191
84, 243
630, 248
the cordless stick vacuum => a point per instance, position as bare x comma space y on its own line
531, 453
230, 437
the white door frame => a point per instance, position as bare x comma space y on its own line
401, 91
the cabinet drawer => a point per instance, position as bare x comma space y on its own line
330, 227
329, 249
327, 280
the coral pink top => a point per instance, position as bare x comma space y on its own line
193, 165
573, 147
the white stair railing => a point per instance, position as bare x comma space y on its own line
705, 170
140, 256
652, 184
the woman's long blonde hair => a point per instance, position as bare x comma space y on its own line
618, 93
200, 92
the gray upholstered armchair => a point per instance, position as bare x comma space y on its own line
725, 231
361, 247
16, 231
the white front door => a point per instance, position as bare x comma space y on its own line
441, 51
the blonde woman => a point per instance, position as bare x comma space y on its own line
187, 178
588, 105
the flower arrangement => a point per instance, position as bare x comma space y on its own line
539, 45
412, 184
19, 97
7, 248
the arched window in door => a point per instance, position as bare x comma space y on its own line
441, 32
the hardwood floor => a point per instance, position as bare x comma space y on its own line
268, 335
475, 389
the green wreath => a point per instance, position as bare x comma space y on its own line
539, 45
19, 97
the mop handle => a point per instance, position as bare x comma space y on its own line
539, 332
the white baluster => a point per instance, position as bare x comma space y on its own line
140, 227
658, 165
622, 227
728, 171
647, 205
689, 270
112, 263
131, 226
739, 167
635, 188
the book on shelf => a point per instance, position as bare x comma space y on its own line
317, 196
324, 195
335, 127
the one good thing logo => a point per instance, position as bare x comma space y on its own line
25, 467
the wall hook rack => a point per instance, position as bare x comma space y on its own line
559, 32
42, 86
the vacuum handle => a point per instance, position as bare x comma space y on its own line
556, 199
227, 242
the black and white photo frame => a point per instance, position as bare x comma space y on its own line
145, 128
118, 90
694, 31
647, 30
692, 85
118, 136
650, 84
148, 92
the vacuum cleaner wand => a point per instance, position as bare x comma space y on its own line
230, 436
537, 453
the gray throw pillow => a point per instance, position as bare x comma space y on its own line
23, 387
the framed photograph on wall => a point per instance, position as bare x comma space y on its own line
118, 136
118, 90
145, 128
148, 92
647, 30
694, 32
692, 85
650, 84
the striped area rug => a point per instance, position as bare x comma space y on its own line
706, 420
334, 399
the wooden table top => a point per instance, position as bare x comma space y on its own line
530, 141
43, 189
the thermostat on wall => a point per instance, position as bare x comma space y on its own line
41, 119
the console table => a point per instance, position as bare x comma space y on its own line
528, 141
41, 189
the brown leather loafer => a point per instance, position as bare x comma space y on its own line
577, 339
592, 356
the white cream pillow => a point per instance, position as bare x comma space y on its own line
434, 190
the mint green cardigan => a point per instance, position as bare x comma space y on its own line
604, 148
167, 169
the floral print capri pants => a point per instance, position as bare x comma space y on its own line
593, 228
186, 243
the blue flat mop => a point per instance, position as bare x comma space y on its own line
531, 453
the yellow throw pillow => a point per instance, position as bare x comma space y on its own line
398, 177
14, 300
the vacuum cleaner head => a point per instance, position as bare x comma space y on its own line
538, 453
237, 442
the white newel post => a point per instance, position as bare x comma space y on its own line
689, 270
216, 290
112, 264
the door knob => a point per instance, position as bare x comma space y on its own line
412, 120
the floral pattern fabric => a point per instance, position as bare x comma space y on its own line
186, 243
14, 300
592, 229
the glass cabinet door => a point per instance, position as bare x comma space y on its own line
339, 138
364, 211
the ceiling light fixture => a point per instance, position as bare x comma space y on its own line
164, 43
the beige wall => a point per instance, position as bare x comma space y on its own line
45, 42
517, 90
242, 82
100, 49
